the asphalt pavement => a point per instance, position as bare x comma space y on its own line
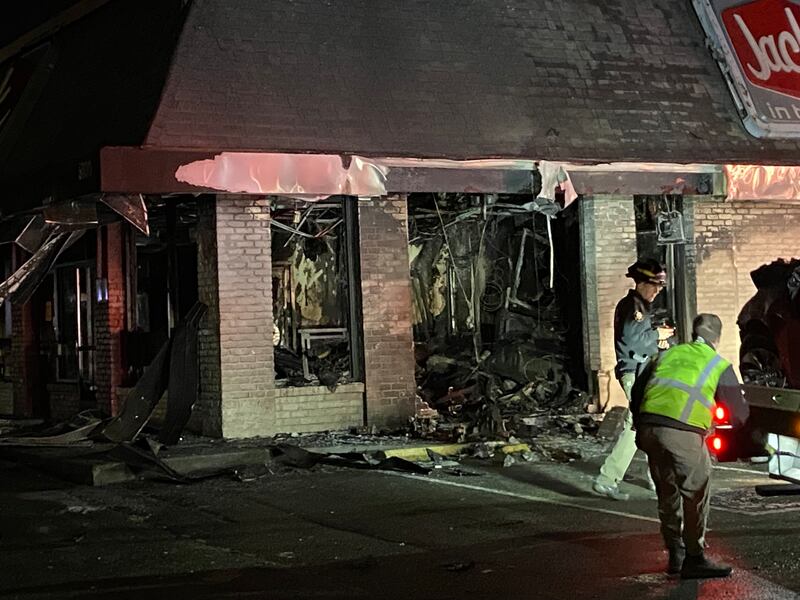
529, 531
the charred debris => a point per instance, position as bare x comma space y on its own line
314, 261
496, 307
496, 314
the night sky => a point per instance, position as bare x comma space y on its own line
25, 16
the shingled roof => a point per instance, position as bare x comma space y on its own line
593, 80
574, 80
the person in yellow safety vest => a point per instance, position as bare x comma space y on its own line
673, 404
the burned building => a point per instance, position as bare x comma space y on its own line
373, 201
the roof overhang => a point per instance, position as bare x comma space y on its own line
165, 171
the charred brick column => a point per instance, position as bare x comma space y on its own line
386, 299
109, 317
609, 245
23, 359
235, 281
207, 413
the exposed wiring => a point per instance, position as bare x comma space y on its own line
452, 256
467, 300
329, 229
309, 236
300, 224
552, 252
280, 225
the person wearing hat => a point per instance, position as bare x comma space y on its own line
673, 403
635, 341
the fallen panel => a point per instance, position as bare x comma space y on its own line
141, 400
184, 377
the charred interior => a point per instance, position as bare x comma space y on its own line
496, 308
313, 262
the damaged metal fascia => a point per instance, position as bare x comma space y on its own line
24, 281
78, 212
573, 179
27, 231
130, 207
314, 177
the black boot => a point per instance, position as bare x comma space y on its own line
699, 567
676, 558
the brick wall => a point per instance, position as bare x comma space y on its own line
6, 398
732, 239
65, 400
109, 318
237, 398
386, 299
608, 246
316, 408
23, 359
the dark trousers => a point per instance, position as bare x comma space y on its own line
681, 469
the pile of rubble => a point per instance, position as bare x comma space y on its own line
493, 324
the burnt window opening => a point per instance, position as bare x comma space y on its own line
161, 281
316, 292
660, 235
73, 321
66, 327
497, 314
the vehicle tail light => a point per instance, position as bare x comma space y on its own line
721, 415
716, 444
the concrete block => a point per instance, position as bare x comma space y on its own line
612, 423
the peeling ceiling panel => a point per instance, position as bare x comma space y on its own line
293, 174
760, 182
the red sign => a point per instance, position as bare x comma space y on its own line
766, 38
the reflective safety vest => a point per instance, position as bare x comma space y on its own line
683, 384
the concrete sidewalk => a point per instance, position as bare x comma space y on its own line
93, 466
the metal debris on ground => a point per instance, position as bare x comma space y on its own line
294, 456
75, 432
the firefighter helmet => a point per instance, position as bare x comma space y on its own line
647, 271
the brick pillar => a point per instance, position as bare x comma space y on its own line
23, 359
234, 279
386, 300
109, 317
609, 246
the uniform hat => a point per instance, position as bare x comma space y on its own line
647, 271
707, 326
